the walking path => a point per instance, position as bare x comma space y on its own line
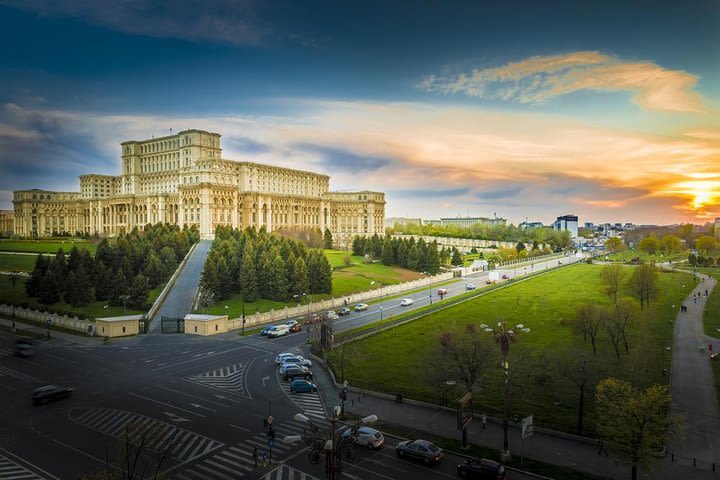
178, 302
693, 386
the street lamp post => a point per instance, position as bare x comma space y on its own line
336, 450
504, 337
124, 298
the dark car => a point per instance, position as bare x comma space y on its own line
302, 386
293, 372
419, 450
49, 393
24, 348
265, 330
482, 469
344, 311
296, 328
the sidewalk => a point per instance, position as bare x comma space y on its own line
39, 331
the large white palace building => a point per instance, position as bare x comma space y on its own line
182, 179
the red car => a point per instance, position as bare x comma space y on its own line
442, 292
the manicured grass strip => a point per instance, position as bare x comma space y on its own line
711, 317
46, 246
547, 304
20, 263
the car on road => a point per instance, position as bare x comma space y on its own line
302, 386
406, 301
360, 307
49, 393
265, 330
442, 292
278, 331
344, 311
470, 286
281, 356
505, 276
422, 450
366, 436
296, 328
331, 315
482, 469
290, 323
24, 348
293, 373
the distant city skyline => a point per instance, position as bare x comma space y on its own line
604, 110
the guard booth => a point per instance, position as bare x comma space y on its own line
117, 326
172, 324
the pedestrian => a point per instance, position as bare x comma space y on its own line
601, 447
710, 347
484, 421
706, 293
399, 397
255, 455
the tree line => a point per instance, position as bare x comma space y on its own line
256, 264
412, 254
122, 272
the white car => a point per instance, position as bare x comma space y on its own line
470, 286
406, 301
360, 307
281, 357
366, 436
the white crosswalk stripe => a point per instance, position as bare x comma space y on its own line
7, 371
309, 403
283, 472
230, 378
187, 445
11, 470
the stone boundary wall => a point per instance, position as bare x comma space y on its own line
467, 243
161, 298
333, 303
73, 323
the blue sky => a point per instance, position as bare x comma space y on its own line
608, 110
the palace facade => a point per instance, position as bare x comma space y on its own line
182, 179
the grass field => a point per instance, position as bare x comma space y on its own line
21, 263
360, 277
16, 296
627, 255
402, 359
45, 246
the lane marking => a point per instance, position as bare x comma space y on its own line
167, 404
241, 428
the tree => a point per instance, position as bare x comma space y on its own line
413, 258
650, 245
325, 274
576, 366
432, 260
79, 287
387, 257
612, 276
248, 280
588, 323
671, 244
467, 356
614, 244
456, 258
706, 244
632, 422
300, 283
154, 270
643, 284
358, 246
278, 276
49, 288
327, 240
402, 254
138, 292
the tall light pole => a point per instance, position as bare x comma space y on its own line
336, 450
504, 337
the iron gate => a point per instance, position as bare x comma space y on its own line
172, 324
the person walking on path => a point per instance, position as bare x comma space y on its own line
255, 456
484, 421
602, 448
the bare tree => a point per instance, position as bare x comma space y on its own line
468, 356
612, 276
643, 284
588, 322
624, 314
576, 365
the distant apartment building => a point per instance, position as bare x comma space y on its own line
589, 225
569, 223
7, 222
467, 222
526, 225
398, 221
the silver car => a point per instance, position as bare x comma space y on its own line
366, 436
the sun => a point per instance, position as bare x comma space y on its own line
701, 192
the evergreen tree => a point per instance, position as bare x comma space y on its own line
313, 268
456, 257
138, 292
300, 279
209, 277
118, 288
265, 276
432, 261
358, 246
422, 255
248, 281
154, 270
402, 253
79, 287
387, 252
223, 281
49, 290
328, 240
103, 282
325, 274
413, 259
32, 286
279, 279
60, 270
167, 257
105, 253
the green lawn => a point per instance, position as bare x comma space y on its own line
711, 318
402, 359
16, 295
21, 263
46, 246
235, 306
627, 255
337, 257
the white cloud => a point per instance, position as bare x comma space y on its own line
539, 79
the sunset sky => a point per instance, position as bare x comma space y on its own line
608, 110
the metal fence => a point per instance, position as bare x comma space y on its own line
172, 324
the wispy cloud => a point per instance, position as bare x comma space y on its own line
232, 22
541, 78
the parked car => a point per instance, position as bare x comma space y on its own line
419, 450
442, 292
297, 361
49, 393
360, 307
470, 286
482, 469
281, 356
302, 386
265, 330
296, 328
331, 315
291, 323
297, 372
406, 301
24, 348
366, 436
344, 311
278, 331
